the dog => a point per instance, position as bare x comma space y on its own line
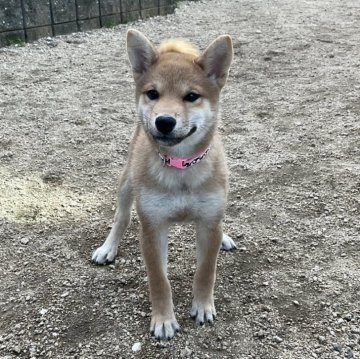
176, 169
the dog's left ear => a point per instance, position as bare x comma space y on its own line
142, 54
216, 59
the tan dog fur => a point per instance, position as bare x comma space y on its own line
164, 195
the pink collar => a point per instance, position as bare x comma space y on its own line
183, 162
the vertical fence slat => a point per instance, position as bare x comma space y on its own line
100, 19
77, 15
52, 17
23, 19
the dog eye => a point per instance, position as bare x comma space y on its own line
152, 94
191, 97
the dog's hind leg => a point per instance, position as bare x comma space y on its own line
107, 252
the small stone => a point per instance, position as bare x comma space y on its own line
185, 353
24, 241
136, 347
296, 303
52, 177
43, 311
260, 334
32, 352
349, 354
337, 348
277, 339
17, 349
242, 41
321, 339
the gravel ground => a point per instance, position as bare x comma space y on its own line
292, 134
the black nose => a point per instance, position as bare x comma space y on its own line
165, 124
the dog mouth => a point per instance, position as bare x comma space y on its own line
169, 140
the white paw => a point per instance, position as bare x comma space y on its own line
203, 312
227, 243
105, 254
164, 328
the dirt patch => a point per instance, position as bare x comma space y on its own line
291, 130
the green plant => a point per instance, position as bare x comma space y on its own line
15, 41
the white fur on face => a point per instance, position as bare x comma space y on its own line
203, 118
145, 114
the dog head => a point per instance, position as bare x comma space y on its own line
177, 87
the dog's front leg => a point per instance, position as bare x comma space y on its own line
208, 242
106, 253
154, 243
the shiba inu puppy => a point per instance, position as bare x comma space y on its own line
176, 169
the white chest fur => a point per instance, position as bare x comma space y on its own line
180, 206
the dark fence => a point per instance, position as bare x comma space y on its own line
28, 20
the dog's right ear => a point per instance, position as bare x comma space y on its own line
140, 51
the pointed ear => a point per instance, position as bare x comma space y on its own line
140, 51
216, 59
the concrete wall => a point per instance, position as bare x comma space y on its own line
28, 20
